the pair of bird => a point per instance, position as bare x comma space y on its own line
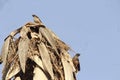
75, 59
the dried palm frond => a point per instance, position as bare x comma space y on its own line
37, 54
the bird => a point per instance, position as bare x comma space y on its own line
36, 19
76, 62
1, 59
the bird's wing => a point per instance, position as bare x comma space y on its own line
78, 66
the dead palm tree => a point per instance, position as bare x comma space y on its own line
37, 54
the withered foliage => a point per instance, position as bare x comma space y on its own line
37, 54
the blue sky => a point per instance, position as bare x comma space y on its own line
91, 27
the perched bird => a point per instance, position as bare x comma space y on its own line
1, 60
36, 19
76, 62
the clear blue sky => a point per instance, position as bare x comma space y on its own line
91, 27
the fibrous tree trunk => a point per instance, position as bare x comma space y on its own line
37, 54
